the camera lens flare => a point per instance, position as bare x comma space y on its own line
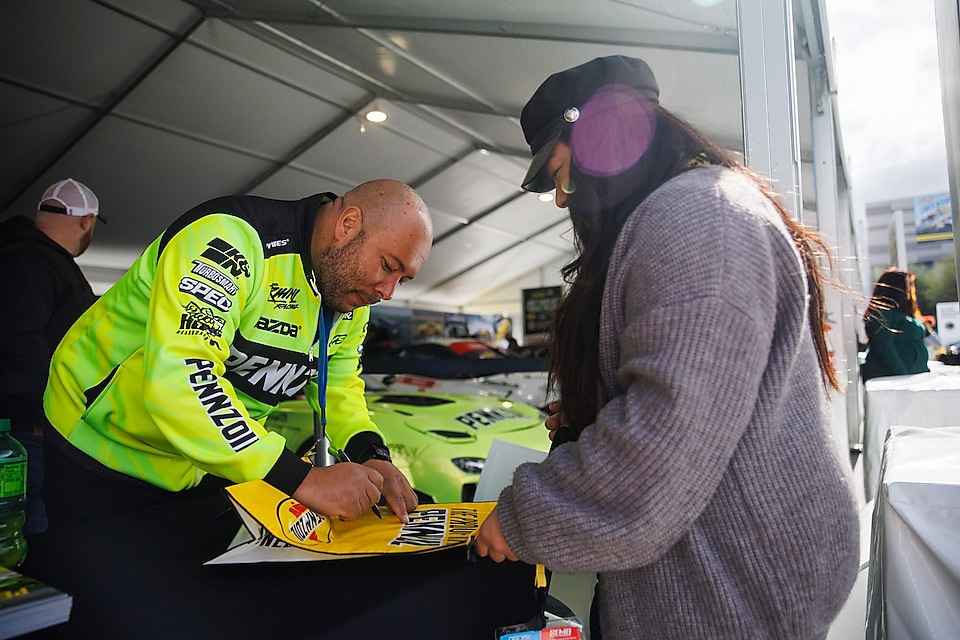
613, 131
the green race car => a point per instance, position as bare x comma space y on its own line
440, 441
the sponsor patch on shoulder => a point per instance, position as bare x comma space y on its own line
227, 256
277, 245
205, 293
197, 320
215, 276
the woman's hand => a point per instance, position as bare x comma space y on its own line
556, 419
490, 541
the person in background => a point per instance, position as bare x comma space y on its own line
44, 292
896, 334
934, 345
694, 466
158, 392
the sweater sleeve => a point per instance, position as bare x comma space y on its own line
698, 313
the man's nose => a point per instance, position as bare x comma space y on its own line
386, 289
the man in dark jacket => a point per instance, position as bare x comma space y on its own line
43, 292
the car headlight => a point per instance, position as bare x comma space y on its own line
469, 465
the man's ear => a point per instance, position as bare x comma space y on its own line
87, 221
349, 223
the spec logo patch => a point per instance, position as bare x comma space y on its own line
205, 293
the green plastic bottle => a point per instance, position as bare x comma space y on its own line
13, 498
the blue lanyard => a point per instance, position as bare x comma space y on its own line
323, 332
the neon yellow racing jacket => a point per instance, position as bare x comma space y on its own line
170, 374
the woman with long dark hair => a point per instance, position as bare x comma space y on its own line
698, 473
895, 332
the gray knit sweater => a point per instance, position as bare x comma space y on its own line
710, 494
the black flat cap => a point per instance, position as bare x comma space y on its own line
556, 105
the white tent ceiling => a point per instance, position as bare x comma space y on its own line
161, 104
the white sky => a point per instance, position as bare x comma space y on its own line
888, 88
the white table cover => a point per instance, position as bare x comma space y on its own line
924, 400
913, 588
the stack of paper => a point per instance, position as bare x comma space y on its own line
27, 604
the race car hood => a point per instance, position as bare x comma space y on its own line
439, 413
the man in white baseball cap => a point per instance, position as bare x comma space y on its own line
67, 213
71, 198
46, 292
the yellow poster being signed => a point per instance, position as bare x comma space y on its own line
278, 528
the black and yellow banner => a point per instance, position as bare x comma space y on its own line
278, 528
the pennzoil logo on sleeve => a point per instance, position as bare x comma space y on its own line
200, 321
227, 256
220, 409
205, 293
215, 276
283, 297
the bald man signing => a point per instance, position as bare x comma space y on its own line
159, 391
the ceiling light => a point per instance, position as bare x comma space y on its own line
375, 115
546, 197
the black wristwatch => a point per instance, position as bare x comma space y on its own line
372, 452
